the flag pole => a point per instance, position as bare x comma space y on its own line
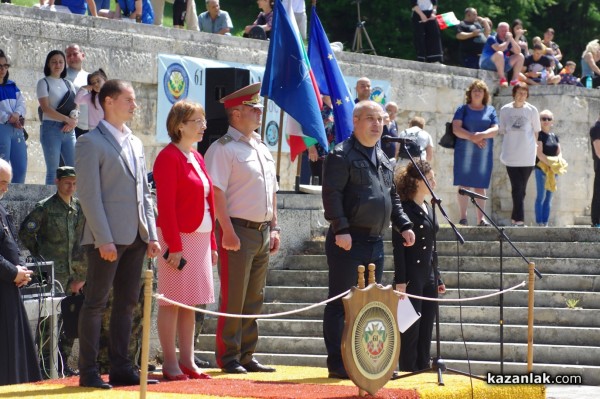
264, 119
298, 173
279, 138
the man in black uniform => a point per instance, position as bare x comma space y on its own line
359, 198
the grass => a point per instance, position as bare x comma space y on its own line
239, 15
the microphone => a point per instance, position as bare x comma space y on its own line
390, 139
471, 194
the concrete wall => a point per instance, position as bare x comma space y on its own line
130, 52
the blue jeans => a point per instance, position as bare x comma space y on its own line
543, 200
14, 150
102, 4
55, 144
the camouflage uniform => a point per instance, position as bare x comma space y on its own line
52, 231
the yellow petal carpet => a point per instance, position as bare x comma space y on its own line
287, 383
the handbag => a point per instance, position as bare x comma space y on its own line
448, 140
69, 309
65, 105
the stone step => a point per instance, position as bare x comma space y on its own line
513, 352
516, 234
570, 282
300, 333
468, 263
564, 317
552, 299
487, 249
516, 352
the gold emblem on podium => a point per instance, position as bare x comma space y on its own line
370, 341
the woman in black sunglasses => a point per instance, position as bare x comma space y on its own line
546, 165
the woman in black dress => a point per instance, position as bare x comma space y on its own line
414, 271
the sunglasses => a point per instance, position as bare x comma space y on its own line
546, 119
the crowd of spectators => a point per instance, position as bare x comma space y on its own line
508, 53
213, 20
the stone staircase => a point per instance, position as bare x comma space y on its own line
566, 340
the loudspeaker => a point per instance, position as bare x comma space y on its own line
219, 83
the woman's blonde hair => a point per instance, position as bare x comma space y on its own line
591, 47
179, 113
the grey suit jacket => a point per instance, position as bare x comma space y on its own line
115, 199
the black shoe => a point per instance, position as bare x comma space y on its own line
234, 367
151, 368
201, 363
69, 372
124, 378
93, 381
339, 374
255, 367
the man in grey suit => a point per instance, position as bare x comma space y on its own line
118, 233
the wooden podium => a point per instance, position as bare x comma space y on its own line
371, 340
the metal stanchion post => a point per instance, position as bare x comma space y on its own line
146, 333
530, 317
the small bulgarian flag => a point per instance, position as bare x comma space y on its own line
447, 20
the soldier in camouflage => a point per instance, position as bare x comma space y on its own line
52, 232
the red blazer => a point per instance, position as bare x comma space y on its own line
180, 194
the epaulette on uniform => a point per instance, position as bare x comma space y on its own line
225, 139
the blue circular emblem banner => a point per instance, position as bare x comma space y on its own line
176, 83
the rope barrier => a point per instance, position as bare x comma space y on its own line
474, 298
161, 297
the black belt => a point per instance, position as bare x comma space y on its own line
364, 233
251, 225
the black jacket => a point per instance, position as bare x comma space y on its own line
359, 194
415, 264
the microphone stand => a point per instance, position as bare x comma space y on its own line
501, 238
437, 364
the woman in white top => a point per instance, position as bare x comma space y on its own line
57, 131
519, 125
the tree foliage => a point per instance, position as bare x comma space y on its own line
388, 22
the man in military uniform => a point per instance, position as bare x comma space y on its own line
243, 174
51, 232
359, 199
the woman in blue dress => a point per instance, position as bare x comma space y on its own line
475, 124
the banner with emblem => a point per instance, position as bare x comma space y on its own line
182, 77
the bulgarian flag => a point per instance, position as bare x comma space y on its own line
296, 139
447, 20
289, 82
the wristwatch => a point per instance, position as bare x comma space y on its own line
276, 228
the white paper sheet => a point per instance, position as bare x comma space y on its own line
406, 314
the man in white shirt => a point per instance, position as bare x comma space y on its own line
77, 75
